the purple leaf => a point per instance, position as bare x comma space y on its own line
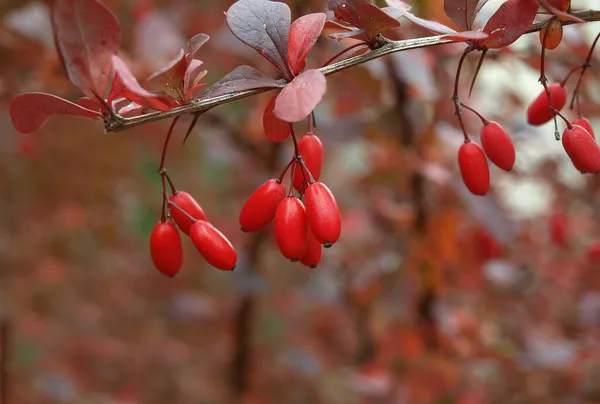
345, 31
241, 79
462, 12
195, 44
265, 26
87, 35
363, 15
30, 111
169, 79
300, 97
126, 86
304, 33
466, 36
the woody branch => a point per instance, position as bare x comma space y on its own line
117, 123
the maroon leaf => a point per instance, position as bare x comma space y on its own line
193, 75
30, 111
466, 36
125, 85
170, 79
462, 12
512, 20
304, 33
87, 35
300, 97
363, 15
195, 44
430, 25
563, 15
345, 31
242, 78
263, 25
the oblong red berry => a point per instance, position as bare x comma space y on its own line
498, 145
166, 249
538, 112
323, 214
216, 249
259, 209
585, 124
276, 130
291, 228
311, 150
474, 168
186, 202
313, 254
581, 149
554, 36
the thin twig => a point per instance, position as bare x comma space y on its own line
120, 123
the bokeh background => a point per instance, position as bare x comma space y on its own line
431, 296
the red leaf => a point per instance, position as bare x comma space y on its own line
87, 35
466, 36
304, 33
561, 14
89, 103
126, 86
193, 75
30, 111
276, 130
462, 12
300, 97
170, 78
430, 25
264, 26
131, 109
242, 78
512, 20
195, 44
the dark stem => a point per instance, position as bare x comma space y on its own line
557, 112
455, 96
337, 55
166, 144
285, 170
173, 204
479, 64
295, 140
584, 66
314, 119
485, 121
292, 177
544, 79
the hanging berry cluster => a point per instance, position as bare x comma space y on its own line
305, 220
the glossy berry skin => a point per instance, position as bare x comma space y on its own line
314, 252
291, 228
311, 150
474, 168
259, 209
554, 36
166, 249
276, 130
186, 202
498, 145
585, 124
323, 214
538, 112
213, 245
582, 149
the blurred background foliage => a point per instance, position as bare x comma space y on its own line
431, 296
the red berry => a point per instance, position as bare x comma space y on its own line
213, 245
259, 209
186, 202
166, 249
323, 214
554, 36
498, 145
291, 228
593, 252
582, 149
538, 112
585, 124
275, 129
311, 150
474, 168
312, 257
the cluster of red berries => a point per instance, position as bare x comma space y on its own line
578, 138
301, 228
472, 161
166, 247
